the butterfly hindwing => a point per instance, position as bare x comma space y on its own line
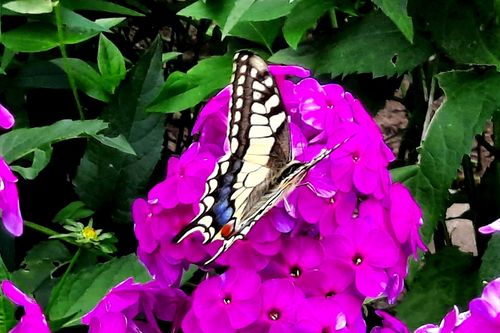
259, 142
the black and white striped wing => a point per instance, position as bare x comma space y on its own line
259, 141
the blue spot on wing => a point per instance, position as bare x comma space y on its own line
222, 210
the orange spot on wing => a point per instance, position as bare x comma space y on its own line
227, 230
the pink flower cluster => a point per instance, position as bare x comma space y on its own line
306, 266
33, 320
9, 198
483, 317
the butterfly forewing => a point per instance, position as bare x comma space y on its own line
259, 142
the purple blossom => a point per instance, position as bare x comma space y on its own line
211, 124
396, 280
484, 311
368, 250
33, 320
261, 243
9, 200
298, 255
322, 107
332, 278
447, 325
280, 302
119, 309
186, 176
319, 315
360, 164
390, 324
406, 219
6, 118
340, 209
342, 235
227, 302
490, 228
155, 227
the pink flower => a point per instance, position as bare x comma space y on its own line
227, 302
484, 311
6, 118
33, 320
390, 324
332, 278
361, 163
259, 246
343, 235
9, 200
406, 219
211, 124
280, 302
368, 250
318, 315
490, 228
299, 255
447, 325
118, 310
186, 176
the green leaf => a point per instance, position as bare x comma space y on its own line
447, 278
39, 264
188, 274
87, 79
119, 143
461, 32
31, 37
396, 11
100, 6
110, 22
41, 157
490, 269
30, 6
263, 33
42, 74
166, 57
260, 10
126, 175
75, 210
268, 10
43, 36
4, 272
226, 13
7, 57
111, 63
234, 16
78, 22
471, 98
81, 291
21, 142
303, 17
7, 318
184, 90
372, 44
403, 173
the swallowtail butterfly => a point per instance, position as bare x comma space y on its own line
258, 170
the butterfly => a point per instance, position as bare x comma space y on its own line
258, 170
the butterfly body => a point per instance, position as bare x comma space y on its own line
258, 170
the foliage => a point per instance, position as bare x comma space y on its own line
105, 92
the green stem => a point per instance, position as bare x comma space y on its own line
47, 231
333, 18
40, 228
71, 79
57, 289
